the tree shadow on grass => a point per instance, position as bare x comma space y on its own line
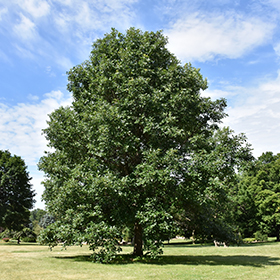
190, 245
21, 244
213, 260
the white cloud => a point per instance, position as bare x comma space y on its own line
62, 31
26, 29
64, 62
57, 95
21, 126
21, 132
37, 179
256, 113
229, 35
3, 12
274, 3
32, 97
217, 93
84, 17
24, 52
88, 16
277, 48
36, 8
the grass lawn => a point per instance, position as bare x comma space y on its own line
180, 261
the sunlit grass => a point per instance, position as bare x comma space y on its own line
180, 261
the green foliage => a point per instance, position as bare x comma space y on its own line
259, 196
101, 238
16, 194
35, 218
37, 214
6, 234
26, 235
138, 143
46, 220
158, 226
249, 240
36, 228
259, 236
127, 234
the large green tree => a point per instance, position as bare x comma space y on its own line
138, 144
16, 194
258, 206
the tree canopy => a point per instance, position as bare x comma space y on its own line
16, 194
37, 214
259, 197
138, 145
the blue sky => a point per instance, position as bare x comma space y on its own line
235, 43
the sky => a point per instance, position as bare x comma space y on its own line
235, 43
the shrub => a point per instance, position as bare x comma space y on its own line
249, 240
6, 239
29, 238
259, 236
6, 234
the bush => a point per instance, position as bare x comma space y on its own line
6, 234
29, 238
259, 236
6, 239
26, 235
249, 240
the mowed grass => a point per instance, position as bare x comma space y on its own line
180, 261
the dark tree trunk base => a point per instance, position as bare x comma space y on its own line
138, 243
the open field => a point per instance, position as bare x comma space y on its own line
180, 261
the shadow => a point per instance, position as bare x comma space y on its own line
80, 258
21, 244
189, 245
257, 244
211, 244
236, 260
213, 260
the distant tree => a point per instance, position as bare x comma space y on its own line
35, 218
37, 214
259, 197
46, 220
16, 194
137, 142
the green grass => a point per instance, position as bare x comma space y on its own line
180, 261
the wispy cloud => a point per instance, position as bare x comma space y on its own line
35, 8
21, 125
3, 11
277, 48
63, 27
21, 132
25, 29
208, 36
274, 3
256, 112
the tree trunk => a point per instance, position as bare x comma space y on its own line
138, 250
278, 234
